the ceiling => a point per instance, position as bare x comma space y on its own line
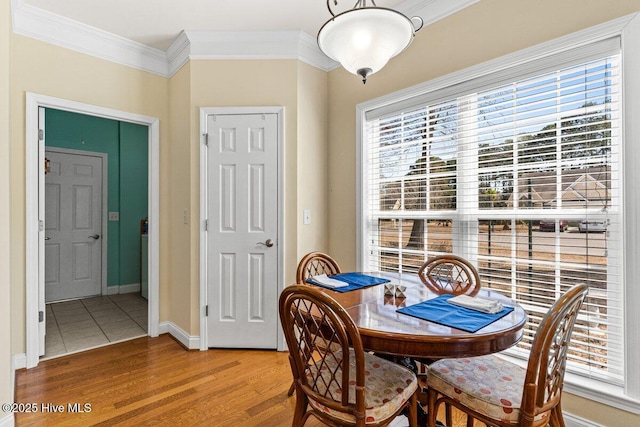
157, 23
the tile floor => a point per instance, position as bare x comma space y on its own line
92, 322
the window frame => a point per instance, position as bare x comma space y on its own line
627, 28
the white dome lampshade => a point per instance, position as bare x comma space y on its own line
363, 39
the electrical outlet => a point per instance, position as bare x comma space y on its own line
114, 216
185, 216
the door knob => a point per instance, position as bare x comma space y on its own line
95, 236
47, 238
268, 243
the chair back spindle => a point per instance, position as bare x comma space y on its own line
314, 264
450, 274
546, 368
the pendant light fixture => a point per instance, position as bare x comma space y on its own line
364, 38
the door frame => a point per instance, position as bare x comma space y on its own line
105, 189
204, 113
35, 179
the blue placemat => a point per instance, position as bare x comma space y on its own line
355, 281
438, 310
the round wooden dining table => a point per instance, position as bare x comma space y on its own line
383, 330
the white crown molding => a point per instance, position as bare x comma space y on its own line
288, 44
30, 21
309, 52
178, 53
36, 23
433, 10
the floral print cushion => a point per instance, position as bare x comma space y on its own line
387, 387
486, 384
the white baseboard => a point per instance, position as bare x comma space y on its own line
571, 420
7, 421
190, 342
19, 361
123, 289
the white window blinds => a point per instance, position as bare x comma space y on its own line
522, 176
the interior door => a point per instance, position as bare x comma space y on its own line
242, 255
73, 226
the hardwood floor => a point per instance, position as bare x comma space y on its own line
155, 381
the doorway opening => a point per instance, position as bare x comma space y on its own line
35, 219
96, 202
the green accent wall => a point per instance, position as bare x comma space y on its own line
126, 145
133, 197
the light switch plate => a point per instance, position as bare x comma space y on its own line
114, 216
306, 216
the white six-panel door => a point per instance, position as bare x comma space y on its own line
242, 255
73, 226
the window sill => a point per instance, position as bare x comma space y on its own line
607, 394
597, 391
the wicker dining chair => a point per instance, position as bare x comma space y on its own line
501, 393
450, 274
314, 264
339, 383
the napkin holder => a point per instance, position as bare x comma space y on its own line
396, 291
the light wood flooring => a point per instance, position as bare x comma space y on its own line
156, 382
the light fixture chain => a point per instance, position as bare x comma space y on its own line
335, 2
359, 4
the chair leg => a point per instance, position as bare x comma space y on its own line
469, 421
447, 412
299, 413
557, 420
413, 410
432, 410
292, 388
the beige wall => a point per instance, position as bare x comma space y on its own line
484, 31
242, 83
49, 70
312, 176
177, 296
6, 385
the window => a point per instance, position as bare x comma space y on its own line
519, 170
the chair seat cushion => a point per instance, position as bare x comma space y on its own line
387, 387
486, 384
